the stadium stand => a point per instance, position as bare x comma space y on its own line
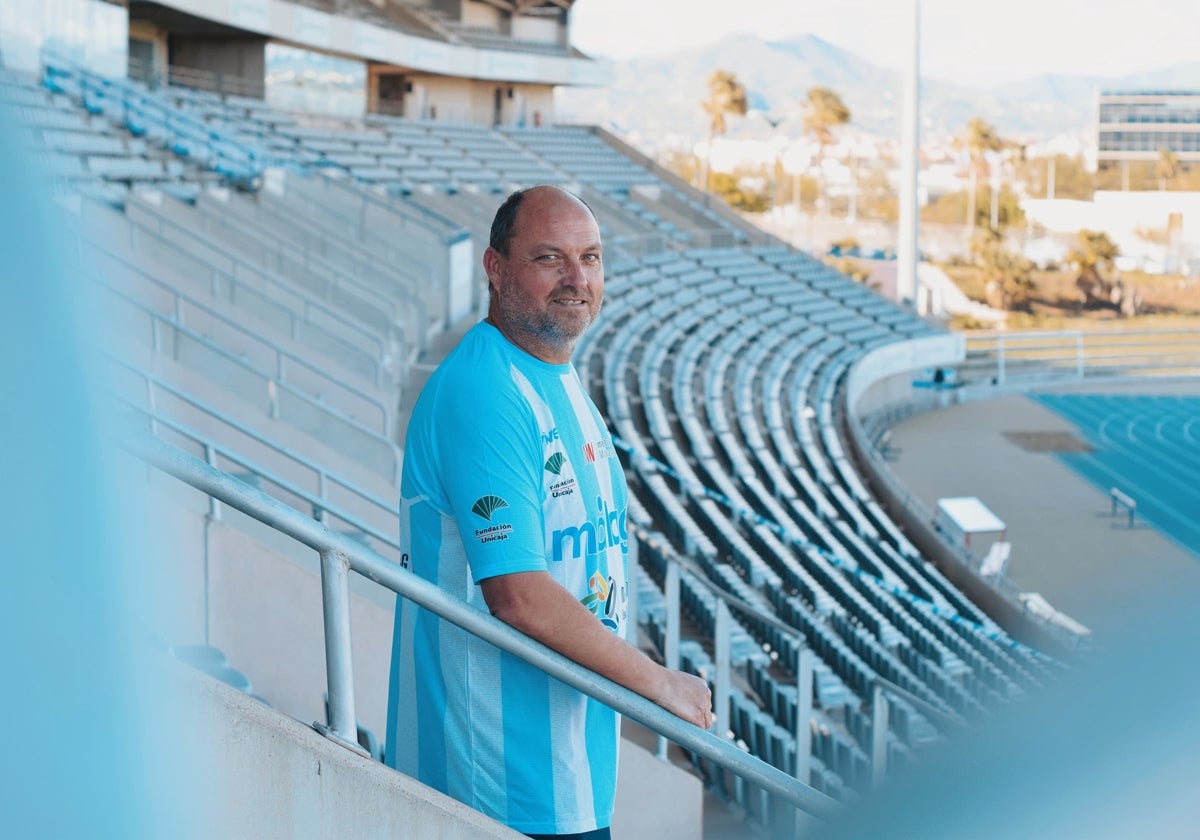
283, 283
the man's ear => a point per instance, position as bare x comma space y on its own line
493, 266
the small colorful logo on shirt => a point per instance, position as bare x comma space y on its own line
554, 463
593, 452
605, 601
485, 506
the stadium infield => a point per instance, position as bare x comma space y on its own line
1066, 544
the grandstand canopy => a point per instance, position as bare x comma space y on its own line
523, 6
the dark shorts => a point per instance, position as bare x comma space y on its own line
598, 834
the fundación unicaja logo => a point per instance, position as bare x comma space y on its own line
554, 466
484, 507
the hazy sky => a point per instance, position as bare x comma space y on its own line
969, 40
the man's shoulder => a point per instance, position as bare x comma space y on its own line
475, 381
475, 362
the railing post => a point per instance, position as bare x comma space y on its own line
214, 504
879, 728
1000, 360
1079, 364
339, 665
804, 708
632, 627
671, 648
805, 660
722, 679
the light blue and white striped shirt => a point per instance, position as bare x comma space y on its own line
507, 468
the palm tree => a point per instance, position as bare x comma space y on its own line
978, 138
726, 96
1166, 168
823, 112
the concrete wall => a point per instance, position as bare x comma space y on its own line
1122, 215
655, 799
273, 777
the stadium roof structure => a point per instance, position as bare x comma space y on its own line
523, 6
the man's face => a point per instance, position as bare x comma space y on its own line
550, 287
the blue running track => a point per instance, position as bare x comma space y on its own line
1148, 447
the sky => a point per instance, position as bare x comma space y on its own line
963, 40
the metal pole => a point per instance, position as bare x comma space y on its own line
339, 665
671, 647
1000, 360
805, 660
633, 633
804, 708
907, 253
721, 683
879, 728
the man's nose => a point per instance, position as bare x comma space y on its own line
575, 273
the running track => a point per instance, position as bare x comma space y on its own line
1148, 447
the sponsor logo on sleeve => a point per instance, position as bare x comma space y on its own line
484, 507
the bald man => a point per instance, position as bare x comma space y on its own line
513, 499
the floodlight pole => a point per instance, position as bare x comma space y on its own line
906, 250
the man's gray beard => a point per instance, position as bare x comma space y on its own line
543, 326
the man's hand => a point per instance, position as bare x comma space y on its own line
535, 604
686, 696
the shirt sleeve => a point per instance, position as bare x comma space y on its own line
489, 446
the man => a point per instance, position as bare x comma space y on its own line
513, 499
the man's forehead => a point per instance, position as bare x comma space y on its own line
556, 220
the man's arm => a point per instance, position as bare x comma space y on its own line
535, 604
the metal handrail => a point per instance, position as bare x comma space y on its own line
1007, 357
156, 224
355, 327
283, 248
324, 477
321, 239
321, 507
276, 379
341, 555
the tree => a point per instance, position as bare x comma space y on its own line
823, 112
1093, 257
1058, 176
1166, 168
951, 208
743, 190
1008, 276
726, 96
978, 138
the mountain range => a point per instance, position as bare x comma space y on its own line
656, 100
